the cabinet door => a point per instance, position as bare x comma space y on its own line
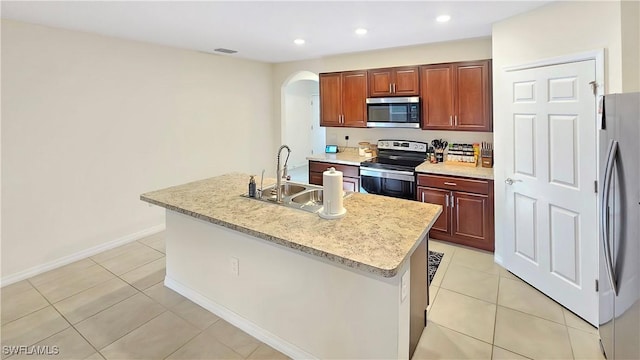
380, 81
406, 81
315, 178
473, 96
471, 220
438, 197
351, 184
354, 99
437, 97
330, 99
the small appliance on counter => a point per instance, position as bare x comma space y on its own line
333, 194
331, 149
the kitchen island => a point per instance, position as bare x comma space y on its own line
312, 288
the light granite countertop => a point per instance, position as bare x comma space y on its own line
348, 156
477, 172
377, 235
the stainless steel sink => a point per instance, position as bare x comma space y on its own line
311, 197
305, 197
288, 189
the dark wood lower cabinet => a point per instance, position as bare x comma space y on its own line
467, 209
439, 197
350, 174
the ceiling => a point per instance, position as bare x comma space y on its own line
265, 30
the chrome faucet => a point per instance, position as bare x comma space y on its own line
281, 174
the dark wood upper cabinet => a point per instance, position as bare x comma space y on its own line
457, 96
354, 99
343, 99
473, 96
398, 81
330, 99
436, 88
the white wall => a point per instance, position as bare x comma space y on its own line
557, 29
91, 122
463, 50
630, 12
299, 118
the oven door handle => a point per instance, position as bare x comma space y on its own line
387, 174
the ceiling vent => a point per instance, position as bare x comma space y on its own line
225, 51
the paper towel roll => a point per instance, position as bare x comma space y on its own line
332, 196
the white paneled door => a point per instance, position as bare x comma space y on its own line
551, 205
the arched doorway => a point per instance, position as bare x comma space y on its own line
300, 121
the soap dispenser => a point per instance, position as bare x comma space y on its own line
252, 186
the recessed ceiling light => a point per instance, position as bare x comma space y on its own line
361, 31
443, 18
298, 41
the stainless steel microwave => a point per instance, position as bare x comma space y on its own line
399, 112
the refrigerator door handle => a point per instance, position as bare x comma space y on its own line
604, 213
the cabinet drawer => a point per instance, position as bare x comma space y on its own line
347, 170
454, 183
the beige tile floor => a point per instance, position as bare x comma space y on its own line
478, 310
115, 306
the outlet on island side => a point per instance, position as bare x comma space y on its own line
235, 266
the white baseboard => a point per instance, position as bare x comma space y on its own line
238, 321
39, 269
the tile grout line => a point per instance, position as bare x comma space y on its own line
495, 319
564, 316
71, 325
201, 332
515, 352
67, 320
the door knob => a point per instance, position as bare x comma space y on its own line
510, 181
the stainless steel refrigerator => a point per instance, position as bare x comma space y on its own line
619, 193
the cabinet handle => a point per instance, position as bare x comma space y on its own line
446, 200
450, 119
452, 201
422, 197
390, 89
455, 120
450, 184
394, 88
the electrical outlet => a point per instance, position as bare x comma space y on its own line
235, 266
346, 137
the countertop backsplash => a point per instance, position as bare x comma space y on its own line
372, 135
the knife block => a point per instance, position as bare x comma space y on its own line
487, 158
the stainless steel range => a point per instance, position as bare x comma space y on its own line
392, 173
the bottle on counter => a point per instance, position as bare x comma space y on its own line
252, 186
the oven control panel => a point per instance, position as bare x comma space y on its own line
402, 145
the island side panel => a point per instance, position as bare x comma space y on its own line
299, 304
419, 294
